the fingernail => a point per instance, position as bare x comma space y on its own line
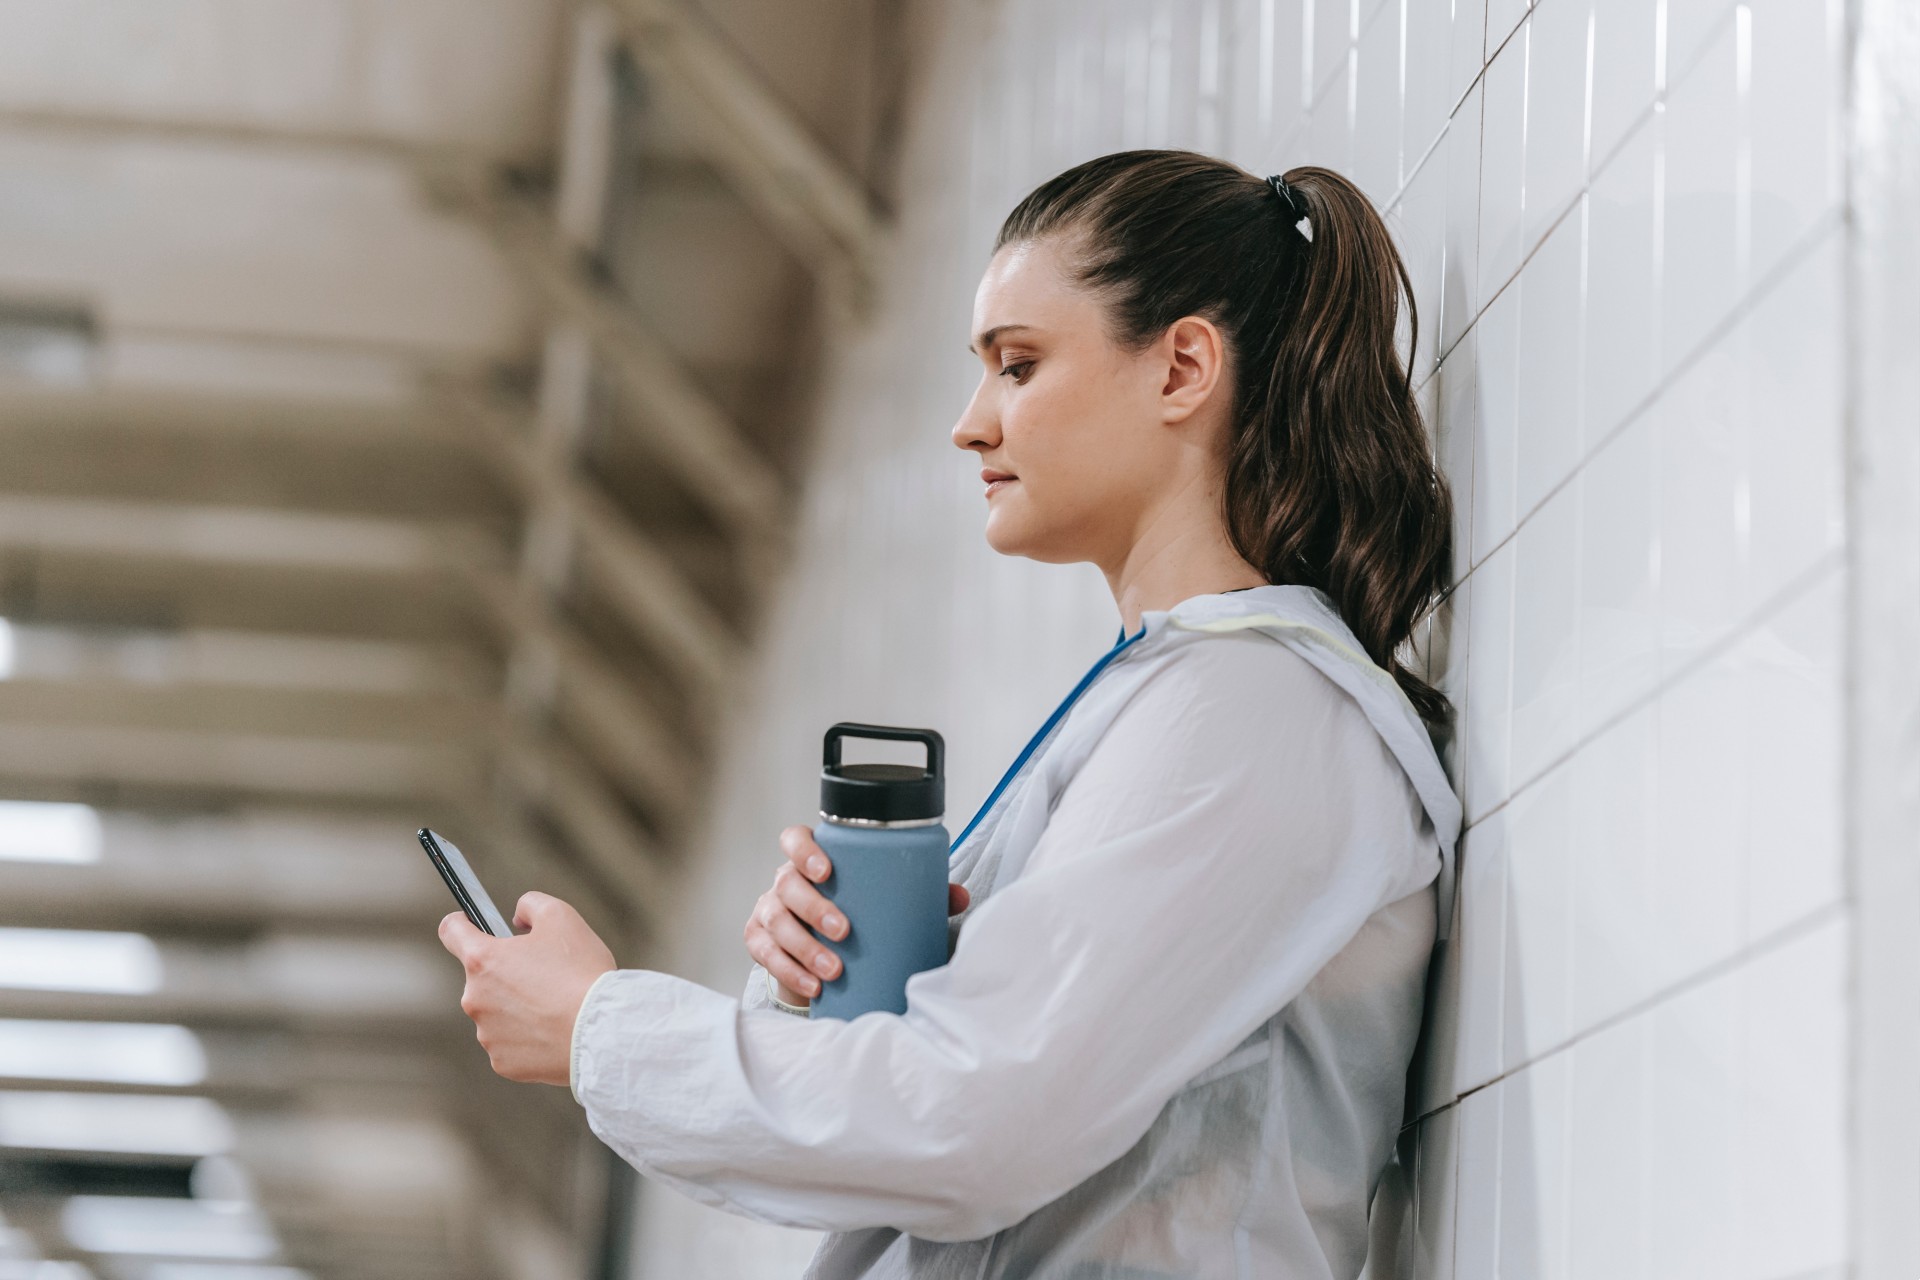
813, 987
824, 963
816, 867
834, 924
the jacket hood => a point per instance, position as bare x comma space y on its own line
1304, 619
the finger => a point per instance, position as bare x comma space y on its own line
799, 846
957, 899
807, 902
535, 906
458, 935
785, 969
808, 951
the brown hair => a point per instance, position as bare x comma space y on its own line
1330, 479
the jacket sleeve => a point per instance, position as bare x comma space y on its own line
1229, 834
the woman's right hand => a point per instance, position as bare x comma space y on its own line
776, 932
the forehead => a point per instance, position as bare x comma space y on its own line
1026, 283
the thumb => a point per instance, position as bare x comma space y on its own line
957, 899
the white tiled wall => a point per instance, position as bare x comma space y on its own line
1623, 219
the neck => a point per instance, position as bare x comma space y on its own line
1182, 552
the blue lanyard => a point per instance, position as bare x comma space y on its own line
1033, 743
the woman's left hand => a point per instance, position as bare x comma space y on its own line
524, 992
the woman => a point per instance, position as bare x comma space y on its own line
1195, 918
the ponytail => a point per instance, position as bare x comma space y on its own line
1330, 481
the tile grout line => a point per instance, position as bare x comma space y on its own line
1755, 950
1803, 249
1831, 561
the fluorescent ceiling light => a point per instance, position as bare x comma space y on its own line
47, 342
31, 831
109, 1052
79, 960
144, 1124
166, 1228
221, 1271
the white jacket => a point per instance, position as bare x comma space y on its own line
1173, 1035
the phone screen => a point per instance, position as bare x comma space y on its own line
465, 885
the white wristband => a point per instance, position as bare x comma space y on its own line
782, 1005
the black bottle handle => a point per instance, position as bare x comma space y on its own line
936, 746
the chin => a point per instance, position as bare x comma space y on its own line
1016, 538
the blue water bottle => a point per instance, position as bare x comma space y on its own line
880, 824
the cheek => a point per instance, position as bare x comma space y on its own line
1055, 440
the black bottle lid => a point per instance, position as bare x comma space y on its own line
883, 792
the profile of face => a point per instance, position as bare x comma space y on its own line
1085, 445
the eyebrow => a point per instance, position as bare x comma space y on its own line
987, 337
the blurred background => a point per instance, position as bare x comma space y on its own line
529, 418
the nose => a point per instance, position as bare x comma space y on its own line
979, 425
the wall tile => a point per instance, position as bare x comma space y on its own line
1502, 165
1467, 54
1539, 887
1701, 267
1793, 122
1456, 429
1377, 107
1622, 220
1335, 25
1618, 572
1495, 449
1697, 1073
1460, 149
1703, 816
1556, 143
1691, 27
1534, 1123
1488, 734
1447, 643
1419, 222
1625, 45
1426, 55
1791, 666
1609, 1149
1552, 297
1793, 1122
1329, 136
1614, 874
1476, 1238
1546, 649
1479, 951
1701, 451
1436, 1185
1502, 17
1792, 344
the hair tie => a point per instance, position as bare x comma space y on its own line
1295, 205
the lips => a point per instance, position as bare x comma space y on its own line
996, 480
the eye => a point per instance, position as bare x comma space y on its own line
1019, 370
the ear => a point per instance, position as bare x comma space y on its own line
1196, 357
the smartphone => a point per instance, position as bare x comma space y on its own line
466, 888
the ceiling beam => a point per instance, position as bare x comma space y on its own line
554, 777
107, 758
102, 126
680, 423
293, 540
595, 702
640, 580
174, 411
774, 160
212, 707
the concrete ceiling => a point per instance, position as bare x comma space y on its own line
399, 408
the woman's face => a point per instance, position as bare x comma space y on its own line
1078, 425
